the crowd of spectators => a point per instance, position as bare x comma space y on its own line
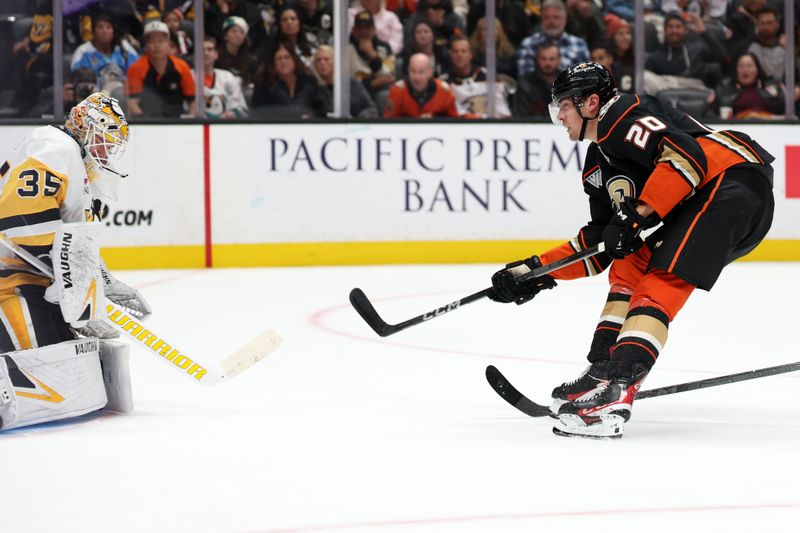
407, 58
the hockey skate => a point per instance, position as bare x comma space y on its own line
584, 386
602, 413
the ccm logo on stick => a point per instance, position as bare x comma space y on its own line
446, 309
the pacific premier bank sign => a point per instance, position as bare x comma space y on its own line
387, 182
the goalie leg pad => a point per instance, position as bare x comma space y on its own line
8, 400
55, 382
114, 356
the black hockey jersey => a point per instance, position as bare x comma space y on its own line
652, 152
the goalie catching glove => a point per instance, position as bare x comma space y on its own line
506, 288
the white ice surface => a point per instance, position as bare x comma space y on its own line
340, 430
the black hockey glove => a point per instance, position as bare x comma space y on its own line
621, 235
506, 288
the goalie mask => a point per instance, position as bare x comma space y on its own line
100, 128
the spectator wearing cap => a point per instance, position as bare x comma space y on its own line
767, 47
371, 59
173, 19
554, 22
221, 88
388, 27
534, 89
160, 84
218, 11
104, 49
233, 53
420, 94
444, 21
620, 46
468, 83
680, 64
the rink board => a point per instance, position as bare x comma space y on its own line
309, 194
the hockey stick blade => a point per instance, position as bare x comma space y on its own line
367, 311
509, 393
364, 307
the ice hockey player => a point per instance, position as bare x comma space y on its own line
647, 164
52, 192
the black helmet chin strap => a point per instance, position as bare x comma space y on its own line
585, 122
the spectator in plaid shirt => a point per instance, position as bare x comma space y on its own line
554, 20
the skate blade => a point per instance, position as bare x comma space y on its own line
560, 433
604, 426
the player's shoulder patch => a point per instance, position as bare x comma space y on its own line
594, 177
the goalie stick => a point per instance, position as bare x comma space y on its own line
147, 339
509, 393
367, 311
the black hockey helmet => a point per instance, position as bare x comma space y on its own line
578, 82
583, 79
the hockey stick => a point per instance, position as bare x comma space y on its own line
367, 311
509, 393
149, 340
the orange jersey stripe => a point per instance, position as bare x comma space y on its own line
719, 158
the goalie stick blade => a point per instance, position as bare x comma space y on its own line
364, 307
250, 354
509, 393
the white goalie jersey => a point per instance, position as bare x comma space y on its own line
42, 185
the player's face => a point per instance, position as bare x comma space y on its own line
566, 114
290, 24
460, 54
